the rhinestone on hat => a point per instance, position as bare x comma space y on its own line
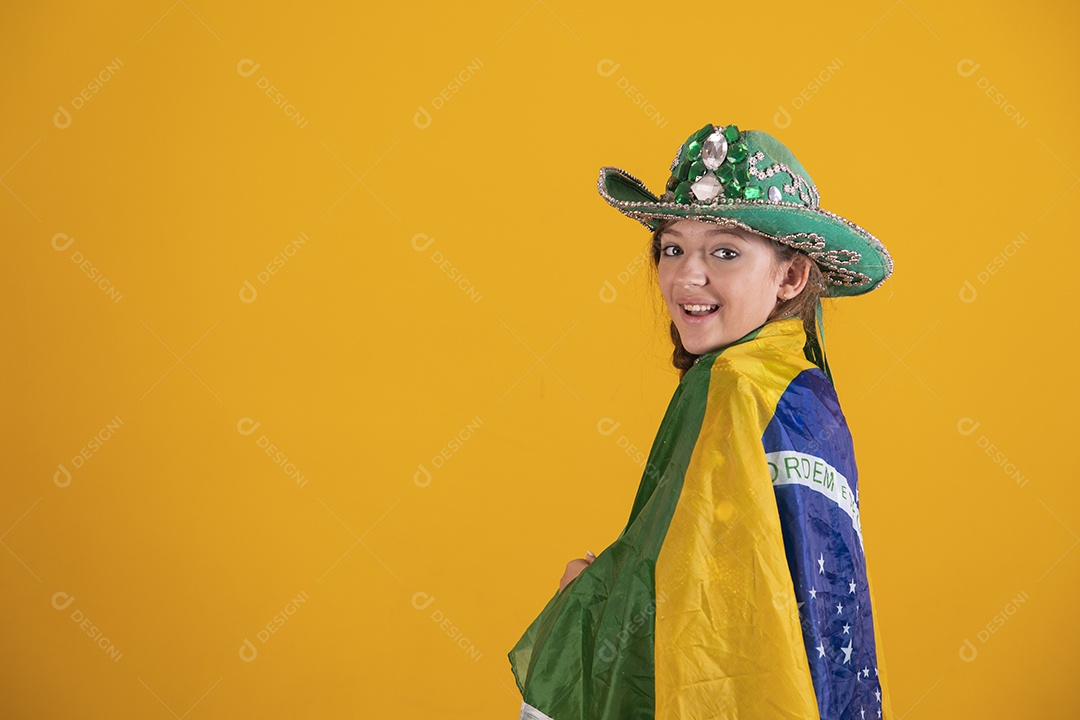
711, 165
714, 150
706, 188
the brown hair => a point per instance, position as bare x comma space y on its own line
802, 305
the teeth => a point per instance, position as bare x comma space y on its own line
700, 308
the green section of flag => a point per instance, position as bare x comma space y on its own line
589, 654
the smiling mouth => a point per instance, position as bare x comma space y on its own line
699, 310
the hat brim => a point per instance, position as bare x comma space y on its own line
853, 261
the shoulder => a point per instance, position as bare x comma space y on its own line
808, 418
793, 390
763, 376
742, 394
811, 392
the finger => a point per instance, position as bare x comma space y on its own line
589, 557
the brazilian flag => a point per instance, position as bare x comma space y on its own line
738, 588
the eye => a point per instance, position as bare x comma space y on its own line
731, 256
666, 250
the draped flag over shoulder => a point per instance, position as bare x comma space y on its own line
738, 588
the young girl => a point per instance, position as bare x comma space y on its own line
738, 588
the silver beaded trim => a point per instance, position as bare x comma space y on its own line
798, 186
831, 261
815, 245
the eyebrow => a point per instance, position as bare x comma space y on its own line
718, 230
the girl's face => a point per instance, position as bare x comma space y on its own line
720, 283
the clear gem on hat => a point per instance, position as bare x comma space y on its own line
714, 150
706, 188
774, 194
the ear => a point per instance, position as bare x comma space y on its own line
795, 275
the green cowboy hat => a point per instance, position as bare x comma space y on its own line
747, 178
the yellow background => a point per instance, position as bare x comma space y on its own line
448, 442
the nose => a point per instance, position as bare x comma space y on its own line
691, 271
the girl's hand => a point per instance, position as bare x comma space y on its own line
574, 568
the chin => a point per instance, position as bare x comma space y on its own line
703, 349
699, 346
